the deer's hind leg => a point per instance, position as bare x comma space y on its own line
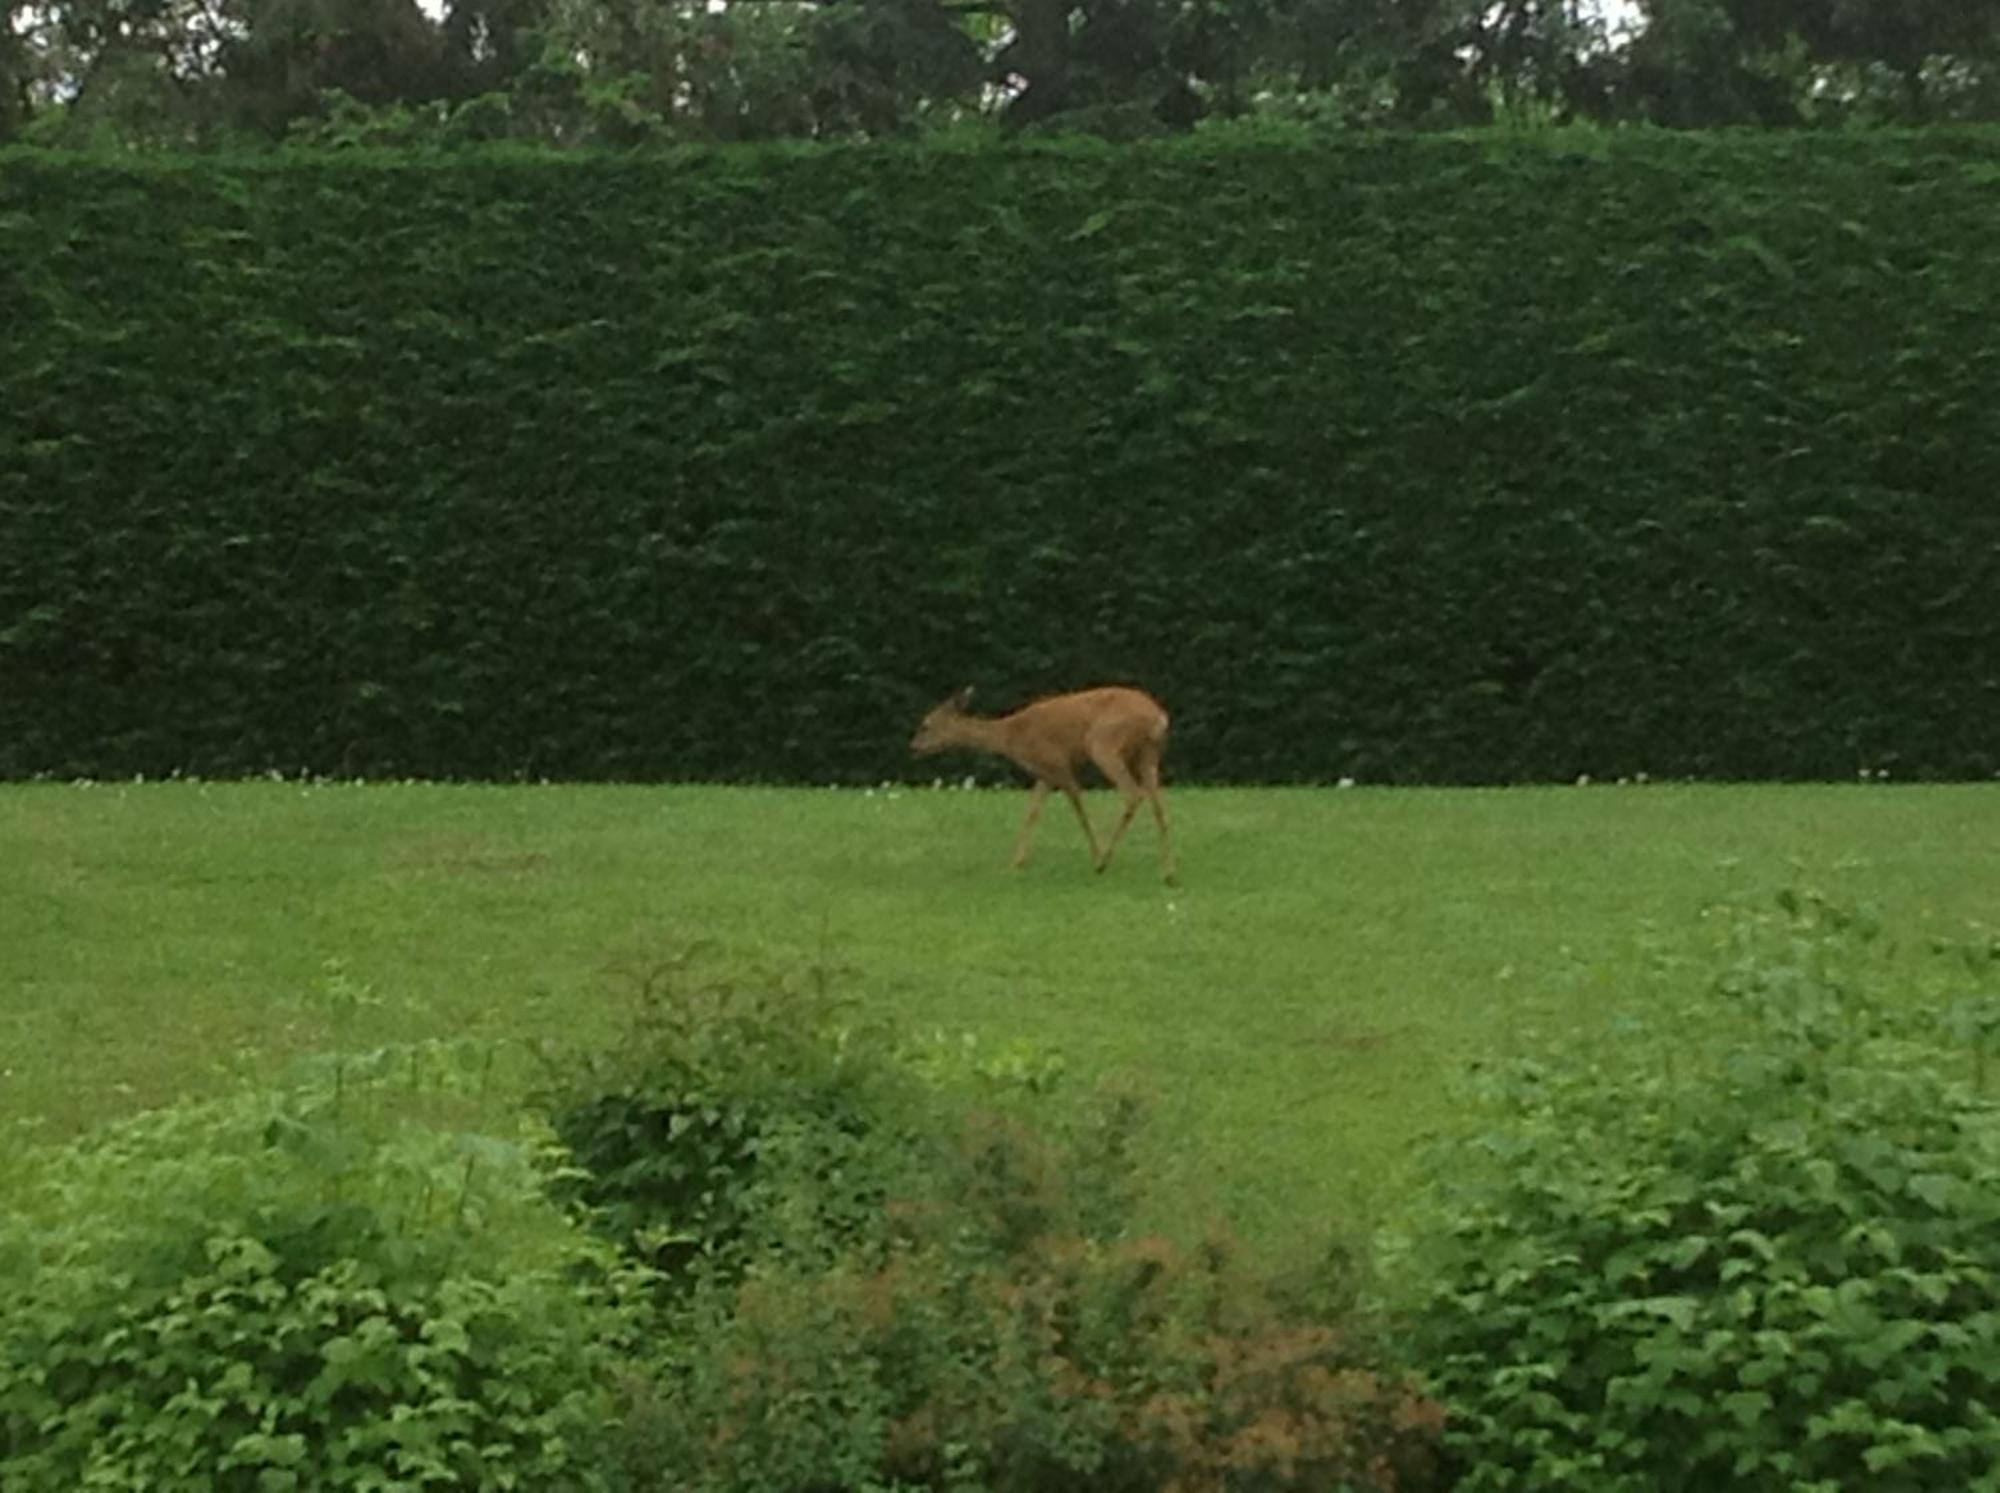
1110, 758
1149, 778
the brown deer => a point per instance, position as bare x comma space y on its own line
1123, 731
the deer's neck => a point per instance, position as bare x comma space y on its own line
983, 734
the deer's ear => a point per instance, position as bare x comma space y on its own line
963, 698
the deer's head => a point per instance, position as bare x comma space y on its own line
935, 732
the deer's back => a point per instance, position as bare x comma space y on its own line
1063, 722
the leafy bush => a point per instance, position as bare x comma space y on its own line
912, 1265
1442, 459
737, 1107
1755, 1245
301, 1290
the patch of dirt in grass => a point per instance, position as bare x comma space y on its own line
1344, 1038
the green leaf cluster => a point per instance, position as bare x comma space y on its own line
301, 1289
1754, 1242
1451, 459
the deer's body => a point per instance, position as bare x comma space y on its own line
1122, 731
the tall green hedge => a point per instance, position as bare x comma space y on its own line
1466, 459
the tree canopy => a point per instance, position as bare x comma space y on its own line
196, 73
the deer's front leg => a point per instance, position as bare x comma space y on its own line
1024, 844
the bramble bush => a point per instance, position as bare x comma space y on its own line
303, 1289
913, 1265
1753, 1243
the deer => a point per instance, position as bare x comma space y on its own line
1122, 730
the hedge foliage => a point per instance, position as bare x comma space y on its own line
1450, 459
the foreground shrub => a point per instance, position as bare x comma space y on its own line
737, 1107
299, 1291
1071, 1364
1756, 1246
914, 1266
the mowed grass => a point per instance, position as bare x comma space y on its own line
1296, 1009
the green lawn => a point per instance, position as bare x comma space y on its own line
1296, 1007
